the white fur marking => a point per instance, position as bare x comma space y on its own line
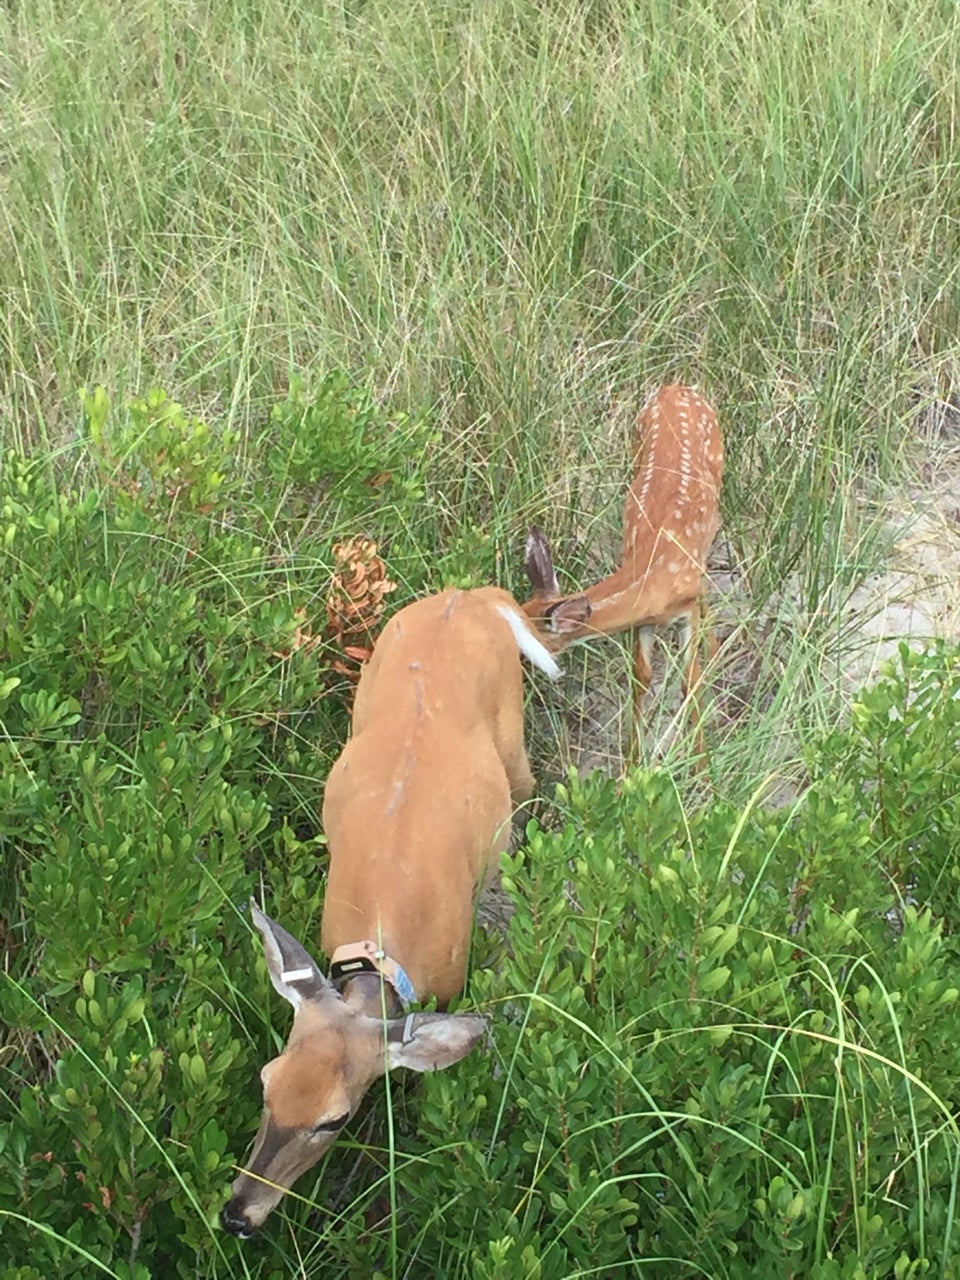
528, 643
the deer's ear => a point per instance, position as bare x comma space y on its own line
433, 1040
568, 615
293, 971
538, 563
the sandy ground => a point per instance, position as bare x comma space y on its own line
919, 594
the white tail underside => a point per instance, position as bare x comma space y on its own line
528, 643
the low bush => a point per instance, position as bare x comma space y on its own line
164, 732
721, 1039
723, 1043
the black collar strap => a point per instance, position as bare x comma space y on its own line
368, 957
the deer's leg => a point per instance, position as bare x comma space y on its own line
511, 748
520, 776
642, 673
713, 645
692, 627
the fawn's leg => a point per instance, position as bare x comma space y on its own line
642, 673
692, 628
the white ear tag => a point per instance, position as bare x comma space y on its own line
295, 975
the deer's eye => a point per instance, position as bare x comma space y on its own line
331, 1126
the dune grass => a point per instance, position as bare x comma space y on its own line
510, 217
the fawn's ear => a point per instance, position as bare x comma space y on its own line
568, 615
538, 564
293, 971
432, 1041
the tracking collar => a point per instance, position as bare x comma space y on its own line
368, 957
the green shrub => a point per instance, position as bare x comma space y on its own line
722, 1041
901, 756
163, 739
333, 436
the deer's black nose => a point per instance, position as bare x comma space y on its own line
234, 1220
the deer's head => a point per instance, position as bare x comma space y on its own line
559, 618
336, 1049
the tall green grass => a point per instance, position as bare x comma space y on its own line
501, 212
448, 198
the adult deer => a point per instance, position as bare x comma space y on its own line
416, 810
670, 518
